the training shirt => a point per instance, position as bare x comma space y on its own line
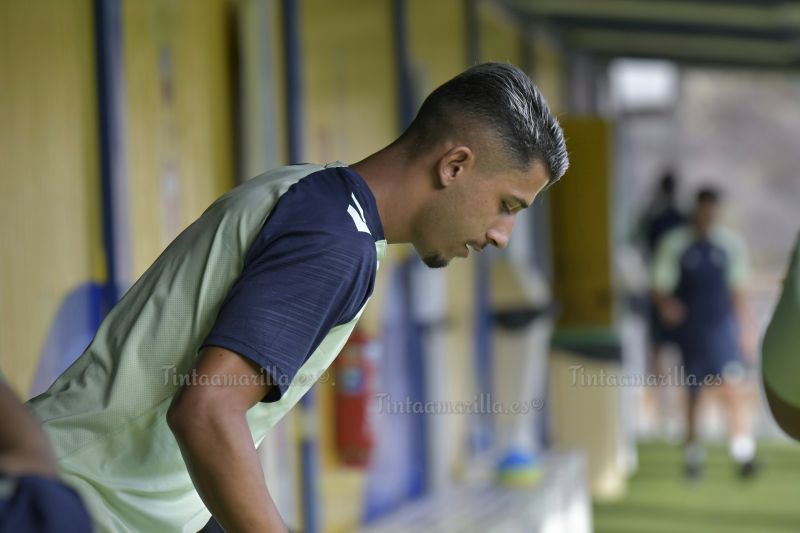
780, 361
702, 273
279, 270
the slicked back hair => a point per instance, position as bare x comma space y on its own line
501, 99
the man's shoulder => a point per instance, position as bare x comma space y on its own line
260, 193
728, 239
726, 234
329, 200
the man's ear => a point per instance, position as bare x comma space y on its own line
454, 164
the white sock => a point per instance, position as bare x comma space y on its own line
743, 448
694, 453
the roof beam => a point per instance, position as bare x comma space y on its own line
683, 12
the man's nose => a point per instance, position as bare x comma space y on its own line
500, 233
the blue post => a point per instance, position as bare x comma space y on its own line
415, 361
294, 81
402, 64
108, 51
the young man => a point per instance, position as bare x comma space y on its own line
662, 217
780, 353
698, 277
155, 423
32, 498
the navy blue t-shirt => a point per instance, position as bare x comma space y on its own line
703, 272
311, 268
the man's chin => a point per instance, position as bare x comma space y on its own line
435, 261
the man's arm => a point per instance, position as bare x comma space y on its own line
738, 272
748, 337
665, 274
209, 423
23, 446
780, 359
671, 311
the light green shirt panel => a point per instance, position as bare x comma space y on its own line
666, 268
780, 360
736, 252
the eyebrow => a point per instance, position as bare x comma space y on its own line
522, 203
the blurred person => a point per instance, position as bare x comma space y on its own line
780, 354
155, 423
699, 275
32, 498
661, 216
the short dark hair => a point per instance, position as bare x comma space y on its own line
667, 184
502, 98
709, 195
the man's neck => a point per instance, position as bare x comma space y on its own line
390, 176
702, 233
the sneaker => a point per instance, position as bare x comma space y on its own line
694, 456
519, 470
693, 472
749, 469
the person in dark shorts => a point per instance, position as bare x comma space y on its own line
662, 216
699, 272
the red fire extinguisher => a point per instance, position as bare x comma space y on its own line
355, 385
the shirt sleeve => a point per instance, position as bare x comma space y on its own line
738, 261
666, 269
291, 292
